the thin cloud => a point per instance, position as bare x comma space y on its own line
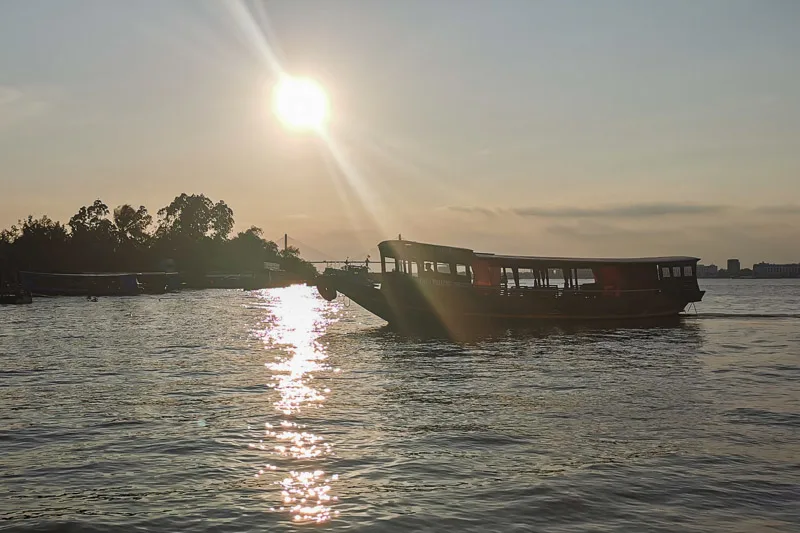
9, 95
619, 211
471, 209
787, 209
591, 232
17, 105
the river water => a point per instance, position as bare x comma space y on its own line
277, 411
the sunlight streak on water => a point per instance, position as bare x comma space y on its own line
296, 320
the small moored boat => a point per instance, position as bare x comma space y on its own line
11, 292
424, 284
16, 297
94, 284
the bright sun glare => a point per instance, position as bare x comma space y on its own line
300, 103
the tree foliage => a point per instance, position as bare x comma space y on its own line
192, 234
36, 241
193, 217
132, 224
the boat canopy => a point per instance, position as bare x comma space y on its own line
419, 251
97, 274
581, 262
78, 275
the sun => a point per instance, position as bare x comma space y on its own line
300, 103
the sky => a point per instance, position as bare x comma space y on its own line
614, 128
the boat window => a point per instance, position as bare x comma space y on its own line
391, 264
665, 272
442, 268
462, 270
413, 268
676, 272
687, 272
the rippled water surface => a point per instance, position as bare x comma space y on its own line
275, 410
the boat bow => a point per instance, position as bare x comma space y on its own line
357, 286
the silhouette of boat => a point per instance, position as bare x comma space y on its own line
426, 284
159, 282
16, 297
94, 284
11, 292
243, 280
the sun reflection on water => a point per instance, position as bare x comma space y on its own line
296, 320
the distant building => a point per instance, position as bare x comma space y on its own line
769, 270
707, 271
734, 267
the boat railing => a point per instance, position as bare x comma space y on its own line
560, 292
589, 290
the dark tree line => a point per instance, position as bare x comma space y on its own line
191, 234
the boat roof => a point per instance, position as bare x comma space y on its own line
425, 251
588, 261
433, 252
97, 274
79, 274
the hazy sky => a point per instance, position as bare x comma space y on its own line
541, 127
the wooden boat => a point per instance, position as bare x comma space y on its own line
266, 279
17, 297
424, 284
95, 284
159, 282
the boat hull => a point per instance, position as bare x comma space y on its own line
47, 284
406, 302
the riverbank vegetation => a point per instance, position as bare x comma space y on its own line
192, 234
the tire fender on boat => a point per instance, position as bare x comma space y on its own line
328, 293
